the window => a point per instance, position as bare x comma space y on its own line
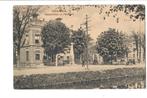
67, 57
36, 41
37, 54
36, 38
27, 55
27, 40
133, 55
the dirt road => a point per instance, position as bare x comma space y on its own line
69, 68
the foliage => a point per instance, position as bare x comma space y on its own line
80, 42
111, 45
55, 37
133, 11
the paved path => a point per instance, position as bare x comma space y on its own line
69, 68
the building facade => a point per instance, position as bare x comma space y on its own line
32, 52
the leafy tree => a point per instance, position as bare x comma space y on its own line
22, 16
133, 11
80, 41
55, 37
111, 45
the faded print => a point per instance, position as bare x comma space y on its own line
79, 46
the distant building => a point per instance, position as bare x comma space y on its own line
136, 57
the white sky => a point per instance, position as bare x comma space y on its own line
97, 23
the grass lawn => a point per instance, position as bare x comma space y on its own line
84, 79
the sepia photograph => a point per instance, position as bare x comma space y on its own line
79, 47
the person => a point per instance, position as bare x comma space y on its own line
84, 61
95, 60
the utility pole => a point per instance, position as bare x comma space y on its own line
86, 37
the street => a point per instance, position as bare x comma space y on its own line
69, 68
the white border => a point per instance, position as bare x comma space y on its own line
6, 61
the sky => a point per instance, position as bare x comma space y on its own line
97, 22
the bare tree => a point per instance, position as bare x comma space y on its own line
143, 46
22, 16
139, 40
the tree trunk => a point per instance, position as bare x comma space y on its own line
140, 50
105, 60
52, 58
111, 60
143, 53
137, 50
18, 61
14, 57
18, 58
